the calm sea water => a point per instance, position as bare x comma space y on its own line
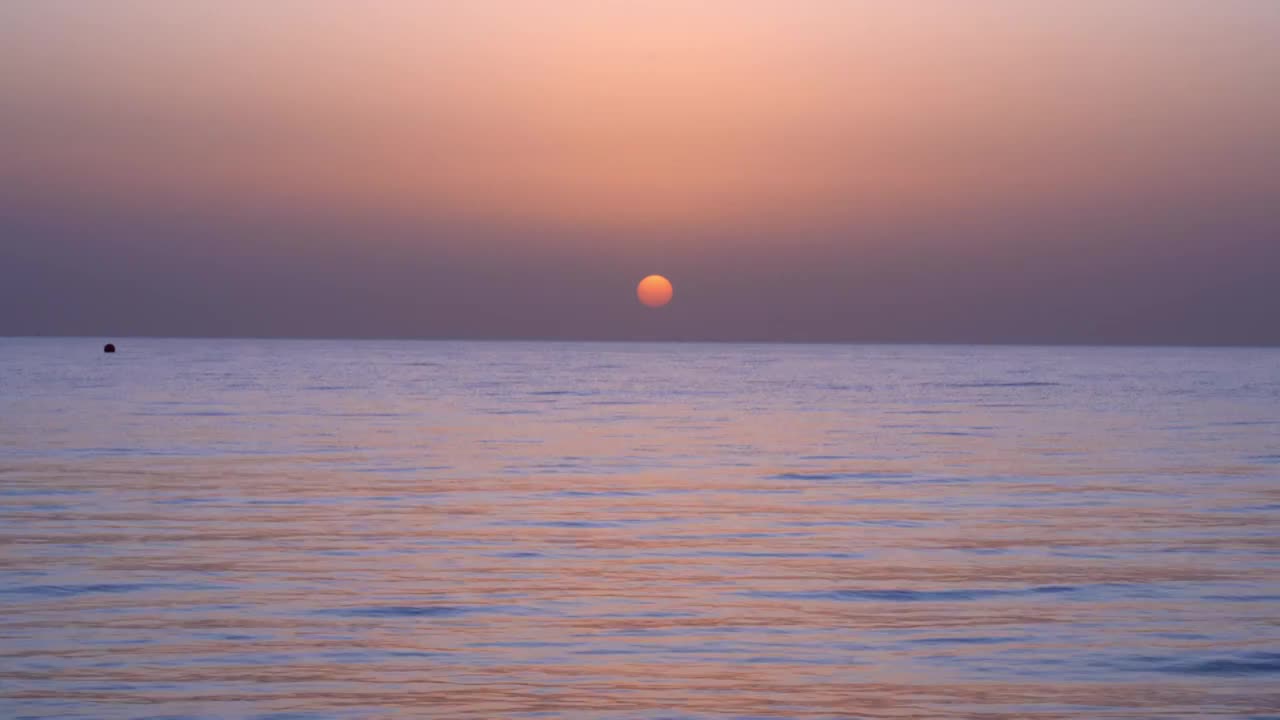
296, 529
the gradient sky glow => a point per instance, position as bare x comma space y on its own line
979, 171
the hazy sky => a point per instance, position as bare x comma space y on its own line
986, 171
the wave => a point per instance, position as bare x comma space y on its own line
912, 596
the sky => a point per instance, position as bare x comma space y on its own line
988, 171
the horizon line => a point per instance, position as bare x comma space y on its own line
642, 341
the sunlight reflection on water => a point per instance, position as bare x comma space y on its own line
319, 529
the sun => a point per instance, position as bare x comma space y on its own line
654, 291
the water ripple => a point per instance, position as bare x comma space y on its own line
205, 529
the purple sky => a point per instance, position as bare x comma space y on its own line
1102, 171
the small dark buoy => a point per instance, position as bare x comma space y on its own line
108, 348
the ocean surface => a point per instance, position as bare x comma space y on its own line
315, 529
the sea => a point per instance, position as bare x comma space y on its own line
288, 529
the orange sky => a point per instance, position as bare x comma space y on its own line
692, 124
637, 113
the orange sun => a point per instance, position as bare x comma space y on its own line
654, 291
